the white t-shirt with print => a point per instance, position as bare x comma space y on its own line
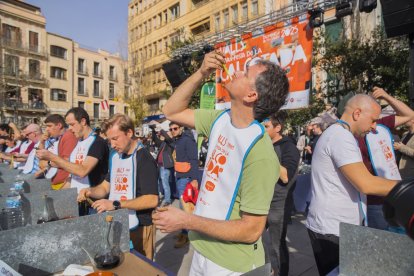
333, 198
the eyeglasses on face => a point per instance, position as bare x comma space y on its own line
174, 128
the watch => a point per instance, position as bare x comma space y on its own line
116, 204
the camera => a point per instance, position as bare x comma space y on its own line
398, 207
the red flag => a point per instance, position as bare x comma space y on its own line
104, 105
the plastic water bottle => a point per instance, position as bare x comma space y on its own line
14, 212
18, 184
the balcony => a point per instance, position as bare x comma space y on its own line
97, 95
97, 74
83, 92
36, 78
17, 45
199, 3
113, 77
83, 71
12, 44
19, 106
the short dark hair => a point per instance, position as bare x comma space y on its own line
79, 114
272, 86
174, 123
278, 119
5, 127
55, 119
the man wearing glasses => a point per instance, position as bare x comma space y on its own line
241, 168
186, 167
33, 133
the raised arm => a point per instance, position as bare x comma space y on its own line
404, 113
176, 109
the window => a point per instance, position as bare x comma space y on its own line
35, 98
96, 111
34, 69
217, 22
201, 27
111, 91
245, 10
153, 105
255, 7
175, 11
226, 18
333, 30
11, 65
111, 110
96, 88
57, 73
159, 46
58, 95
96, 69
58, 51
81, 105
81, 66
11, 35
112, 72
33, 41
126, 110
81, 86
235, 13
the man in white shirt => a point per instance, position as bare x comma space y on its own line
340, 180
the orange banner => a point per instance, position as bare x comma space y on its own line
288, 44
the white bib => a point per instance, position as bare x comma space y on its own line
23, 148
228, 148
123, 180
77, 156
381, 153
9, 149
28, 167
52, 171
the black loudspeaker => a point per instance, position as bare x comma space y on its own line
174, 72
398, 17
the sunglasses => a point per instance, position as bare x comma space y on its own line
174, 128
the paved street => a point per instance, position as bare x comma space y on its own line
302, 262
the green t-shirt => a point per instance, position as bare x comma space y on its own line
260, 173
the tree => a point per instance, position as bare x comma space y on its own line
134, 95
353, 65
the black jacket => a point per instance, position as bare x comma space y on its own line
289, 157
165, 148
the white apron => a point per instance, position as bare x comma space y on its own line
23, 148
228, 148
8, 150
77, 156
123, 180
28, 167
381, 153
52, 171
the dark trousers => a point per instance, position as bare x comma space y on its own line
277, 221
326, 251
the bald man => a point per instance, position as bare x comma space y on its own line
340, 180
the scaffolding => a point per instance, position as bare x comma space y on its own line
248, 26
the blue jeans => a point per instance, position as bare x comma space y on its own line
376, 217
165, 182
181, 184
